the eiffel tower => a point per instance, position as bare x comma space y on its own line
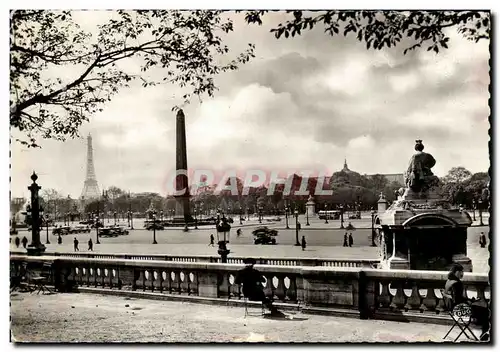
90, 187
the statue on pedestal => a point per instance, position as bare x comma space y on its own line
419, 177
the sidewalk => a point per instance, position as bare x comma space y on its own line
82, 317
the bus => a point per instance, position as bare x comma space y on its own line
329, 214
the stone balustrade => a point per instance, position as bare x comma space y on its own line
368, 293
349, 263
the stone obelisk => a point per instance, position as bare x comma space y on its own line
182, 211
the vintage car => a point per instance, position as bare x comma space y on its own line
86, 222
108, 231
120, 230
264, 235
150, 225
79, 229
357, 215
63, 230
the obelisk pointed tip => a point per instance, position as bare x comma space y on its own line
180, 113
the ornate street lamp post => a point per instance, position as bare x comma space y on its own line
161, 216
260, 214
373, 227
474, 210
480, 206
97, 228
195, 220
36, 247
114, 217
47, 228
326, 213
307, 216
341, 216
130, 211
297, 243
286, 216
223, 227
154, 227
241, 215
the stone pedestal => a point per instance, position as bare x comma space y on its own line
381, 204
311, 207
424, 235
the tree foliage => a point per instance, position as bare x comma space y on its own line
457, 174
460, 186
185, 45
380, 29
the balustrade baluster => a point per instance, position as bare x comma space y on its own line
184, 280
414, 301
103, 277
384, 299
280, 289
441, 307
399, 299
223, 284
480, 292
268, 289
429, 303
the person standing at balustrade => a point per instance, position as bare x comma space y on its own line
351, 240
75, 245
345, 240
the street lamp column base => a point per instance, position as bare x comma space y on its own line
36, 249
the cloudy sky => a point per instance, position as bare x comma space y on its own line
302, 103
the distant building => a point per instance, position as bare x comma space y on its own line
399, 178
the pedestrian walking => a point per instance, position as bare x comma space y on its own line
75, 245
345, 240
351, 240
24, 241
59, 239
303, 243
17, 241
212, 239
91, 245
482, 240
